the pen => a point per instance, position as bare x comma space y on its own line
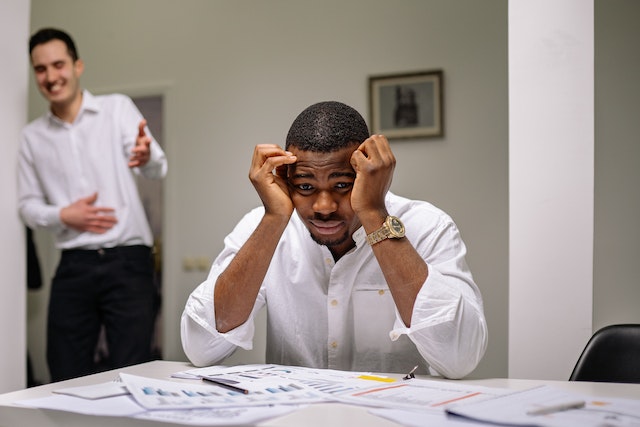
564, 406
222, 383
411, 373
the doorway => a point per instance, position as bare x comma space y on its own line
151, 194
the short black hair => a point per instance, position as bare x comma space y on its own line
326, 127
45, 35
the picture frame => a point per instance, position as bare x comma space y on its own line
407, 106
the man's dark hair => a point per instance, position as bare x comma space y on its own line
326, 127
47, 34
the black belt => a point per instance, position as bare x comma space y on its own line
107, 252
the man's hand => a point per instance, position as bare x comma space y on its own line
272, 187
141, 153
238, 286
373, 163
404, 269
83, 216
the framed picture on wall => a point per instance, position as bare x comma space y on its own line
407, 105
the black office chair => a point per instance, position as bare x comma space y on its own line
611, 355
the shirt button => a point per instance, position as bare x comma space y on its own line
334, 302
328, 261
381, 292
334, 344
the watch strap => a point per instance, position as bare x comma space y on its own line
379, 235
392, 227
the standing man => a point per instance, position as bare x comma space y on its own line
353, 277
76, 178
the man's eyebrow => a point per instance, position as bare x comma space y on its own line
54, 63
349, 174
302, 175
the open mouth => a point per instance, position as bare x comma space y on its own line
54, 88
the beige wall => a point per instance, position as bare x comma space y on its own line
14, 18
235, 73
616, 295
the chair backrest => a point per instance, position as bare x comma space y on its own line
611, 355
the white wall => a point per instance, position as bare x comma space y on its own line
14, 31
551, 176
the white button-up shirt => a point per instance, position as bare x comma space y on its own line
341, 315
61, 162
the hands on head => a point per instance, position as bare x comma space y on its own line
82, 215
141, 153
272, 188
373, 162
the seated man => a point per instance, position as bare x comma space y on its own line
353, 276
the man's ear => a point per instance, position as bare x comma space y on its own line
79, 67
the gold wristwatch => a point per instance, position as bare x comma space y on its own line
392, 228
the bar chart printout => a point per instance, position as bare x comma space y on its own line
161, 394
423, 395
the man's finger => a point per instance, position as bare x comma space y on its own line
141, 126
105, 223
91, 199
104, 219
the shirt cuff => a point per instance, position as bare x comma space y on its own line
51, 219
200, 308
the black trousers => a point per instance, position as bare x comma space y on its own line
111, 287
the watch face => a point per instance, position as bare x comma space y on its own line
397, 228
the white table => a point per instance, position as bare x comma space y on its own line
325, 414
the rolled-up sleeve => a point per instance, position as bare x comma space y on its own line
448, 325
201, 341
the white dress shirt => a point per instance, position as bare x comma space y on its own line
61, 162
341, 315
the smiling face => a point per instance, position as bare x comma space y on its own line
321, 186
57, 74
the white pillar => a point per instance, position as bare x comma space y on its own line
551, 178
14, 34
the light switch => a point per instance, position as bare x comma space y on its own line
203, 263
188, 263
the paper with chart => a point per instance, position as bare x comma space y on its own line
327, 381
361, 388
162, 394
516, 408
421, 395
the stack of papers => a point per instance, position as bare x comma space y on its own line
252, 393
546, 406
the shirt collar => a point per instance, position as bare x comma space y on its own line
89, 103
359, 236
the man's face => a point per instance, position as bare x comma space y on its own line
321, 186
56, 74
